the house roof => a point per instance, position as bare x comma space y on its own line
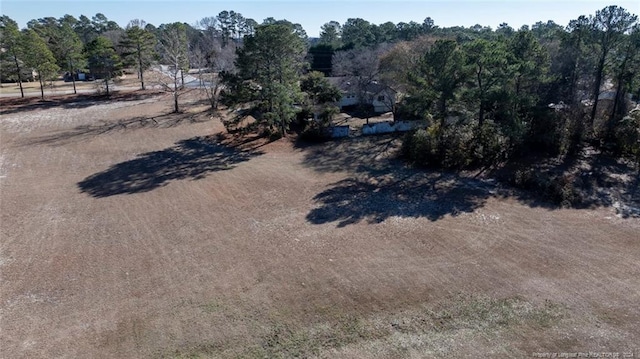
341, 83
345, 84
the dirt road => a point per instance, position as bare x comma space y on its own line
126, 232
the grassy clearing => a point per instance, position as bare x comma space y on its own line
424, 329
52, 87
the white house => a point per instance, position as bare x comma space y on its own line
381, 97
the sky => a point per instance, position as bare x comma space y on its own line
312, 14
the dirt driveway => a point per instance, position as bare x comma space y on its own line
126, 232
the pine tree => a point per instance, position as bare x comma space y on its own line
11, 41
488, 66
140, 47
67, 47
38, 57
273, 59
608, 25
103, 59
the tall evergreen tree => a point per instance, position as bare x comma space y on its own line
67, 47
225, 23
330, 34
488, 67
101, 24
85, 30
38, 57
624, 67
445, 72
139, 45
103, 59
358, 32
528, 63
608, 26
528, 66
575, 59
273, 60
62, 40
11, 41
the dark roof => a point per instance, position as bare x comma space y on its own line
344, 84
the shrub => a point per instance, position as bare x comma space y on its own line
547, 134
627, 135
455, 146
314, 132
421, 146
272, 133
490, 146
318, 130
559, 189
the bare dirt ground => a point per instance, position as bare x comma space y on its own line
130, 233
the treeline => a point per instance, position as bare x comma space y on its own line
99, 46
490, 96
494, 95
486, 95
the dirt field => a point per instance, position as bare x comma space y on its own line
129, 233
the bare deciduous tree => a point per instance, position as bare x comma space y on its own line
222, 59
173, 49
360, 69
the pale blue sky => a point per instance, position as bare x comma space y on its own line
312, 14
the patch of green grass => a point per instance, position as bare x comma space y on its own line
462, 313
466, 311
287, 342
212, 306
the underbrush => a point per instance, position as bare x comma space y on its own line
314, 133
537, 160
559, 189
627, 136
456, 147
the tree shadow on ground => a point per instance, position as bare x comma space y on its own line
103, 127
587, 180
426, 195
371, 155
16, 105
381, 185
607, 181
193, 159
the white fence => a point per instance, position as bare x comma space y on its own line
388, 127
340, 131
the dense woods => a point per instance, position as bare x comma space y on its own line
486, 95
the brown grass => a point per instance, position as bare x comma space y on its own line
57, 87
126, 237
